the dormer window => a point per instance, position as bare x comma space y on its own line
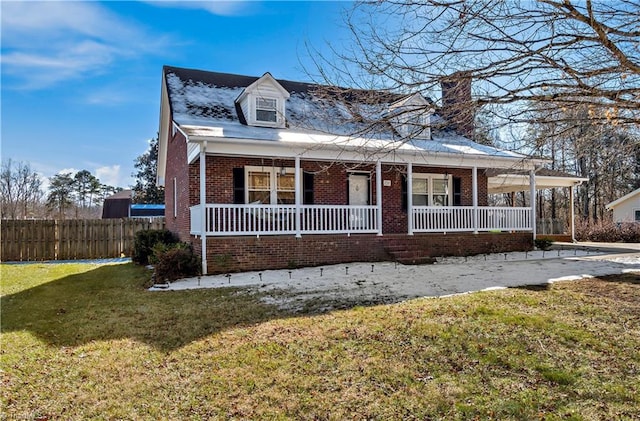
417, 125
262, 103
267, 110
411, 117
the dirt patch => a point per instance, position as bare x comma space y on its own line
624, 288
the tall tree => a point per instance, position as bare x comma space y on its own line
20, 190
145, 189
564, 52
60, 197
85, 185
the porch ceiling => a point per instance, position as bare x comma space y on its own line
507, 183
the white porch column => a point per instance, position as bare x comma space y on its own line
572, 215
203, 203
298, 185
532, 199
410, 198
474, 184
379, 196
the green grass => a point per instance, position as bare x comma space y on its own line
88, 341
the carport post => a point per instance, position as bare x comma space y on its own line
572, 215
532, 199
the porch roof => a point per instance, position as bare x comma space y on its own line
501, 181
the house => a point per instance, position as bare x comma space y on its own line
119, 205
627, 208
261, 173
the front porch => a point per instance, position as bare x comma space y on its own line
298, 220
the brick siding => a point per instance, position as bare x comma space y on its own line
237, 254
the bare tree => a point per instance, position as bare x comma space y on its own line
606, 155
20, 190
563, 52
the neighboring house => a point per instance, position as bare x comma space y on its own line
119, 205
627, 208
262, 173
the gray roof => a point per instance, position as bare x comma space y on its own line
207, 99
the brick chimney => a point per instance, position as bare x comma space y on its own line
457, 108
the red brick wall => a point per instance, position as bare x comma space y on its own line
234, 254
176, 167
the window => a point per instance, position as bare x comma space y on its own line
259, 187
266, 110
270, 185
431, 189
637, 215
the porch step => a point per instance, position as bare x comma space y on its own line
408, 252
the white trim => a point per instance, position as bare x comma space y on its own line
273, 171
622, 199
430, 177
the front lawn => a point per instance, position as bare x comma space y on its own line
88, 341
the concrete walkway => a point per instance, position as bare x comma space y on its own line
334, 286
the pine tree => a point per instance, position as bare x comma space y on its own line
145, 189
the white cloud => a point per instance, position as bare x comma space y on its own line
71, 171
222, 8
44, 43
109, 175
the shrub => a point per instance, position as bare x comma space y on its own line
146, 240
608, 231
175, 261
543, 243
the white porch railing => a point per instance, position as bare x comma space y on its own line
227, 219
461, 218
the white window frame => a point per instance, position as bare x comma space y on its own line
262, 107
635, 219
430, 177
273, 172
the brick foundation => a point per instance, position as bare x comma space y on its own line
237, 254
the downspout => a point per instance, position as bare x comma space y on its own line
203, 203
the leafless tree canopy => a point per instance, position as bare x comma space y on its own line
564, 52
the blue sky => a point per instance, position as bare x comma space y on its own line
80, 82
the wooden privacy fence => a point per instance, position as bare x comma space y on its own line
34, 240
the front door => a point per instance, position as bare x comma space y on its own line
358, 189
358, 196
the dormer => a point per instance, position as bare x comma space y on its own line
411, 116
263, 103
